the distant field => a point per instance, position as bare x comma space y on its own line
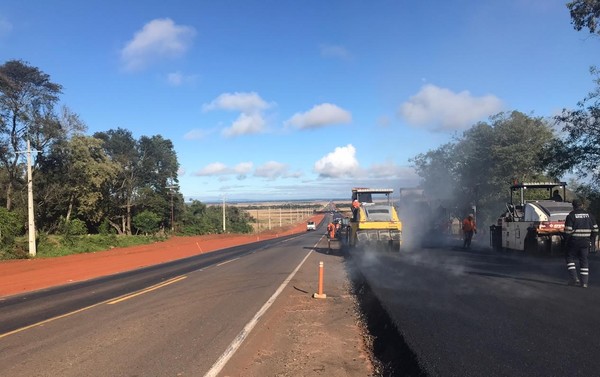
272, 215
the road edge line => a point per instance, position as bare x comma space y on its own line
239, 339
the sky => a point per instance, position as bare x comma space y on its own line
283, 99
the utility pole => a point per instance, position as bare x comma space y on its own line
30, 213
224, 227
172, 211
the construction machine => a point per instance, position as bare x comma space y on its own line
375, 222
532, 225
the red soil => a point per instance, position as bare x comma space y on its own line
19, 276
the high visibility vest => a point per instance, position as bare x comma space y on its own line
469, 225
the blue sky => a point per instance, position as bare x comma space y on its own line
282, 99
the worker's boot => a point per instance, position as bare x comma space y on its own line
584, 277
573, 278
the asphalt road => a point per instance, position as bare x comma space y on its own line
482, 313
168, 320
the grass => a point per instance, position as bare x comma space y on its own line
49, 246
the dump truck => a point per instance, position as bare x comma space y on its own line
374, 223
534, 225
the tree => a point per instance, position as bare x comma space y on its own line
72, 177
201, 219
27, 99
477, 168
146, 181
158, 162
585, 14
122, 149
437, 171
158, 176
579, 150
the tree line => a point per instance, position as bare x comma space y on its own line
109, 182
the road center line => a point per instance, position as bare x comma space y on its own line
146, 290
237, 342
48, 320
110, 301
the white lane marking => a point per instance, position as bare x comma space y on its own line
237, 342
227, 261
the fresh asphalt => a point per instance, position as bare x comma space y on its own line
483, 313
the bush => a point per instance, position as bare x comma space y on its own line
146, 222
9, 227
72, 228
105, 228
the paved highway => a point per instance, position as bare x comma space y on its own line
174, 319
482, 313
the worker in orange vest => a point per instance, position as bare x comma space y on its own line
469, 228
331, 230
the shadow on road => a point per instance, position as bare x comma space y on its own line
333, 250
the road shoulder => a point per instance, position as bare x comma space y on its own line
304, 336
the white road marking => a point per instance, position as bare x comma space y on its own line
237, 342
227, 261
109, 302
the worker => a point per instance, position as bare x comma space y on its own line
469, 227
580, 230
355, 209
331, 231
556, 196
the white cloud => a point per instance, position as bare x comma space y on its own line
341, 163
196, 134
245, 124
335, 51
271, 170
178, 79
158, 39
243, 167
440, 109
222, 171
251, 106
5, 27
322, 115
243, 102
215, 168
